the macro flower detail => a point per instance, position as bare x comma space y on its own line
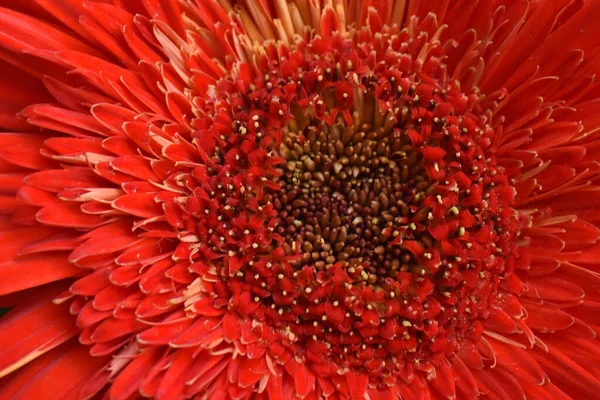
300, 199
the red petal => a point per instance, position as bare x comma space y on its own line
546, 318
490, 385
31, 33
24, 150
567, 373
553, 289
499, 321
60, 179
58, 374
251, 371
50, 112
74, 98
113, 328
136, 166
464, 379
61, 241
35, 270
11, 182
12, 241
113, 117
68, 215
304, 380
201, 333
147, 251
109, 297
155, 304
29, 331
93, 283
443, 381
518, 361
206, 368
129, 380
173, 383
139, 204
75, 146
88, 316
163, 334
470, 355
105, 240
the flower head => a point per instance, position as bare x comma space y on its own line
300, 199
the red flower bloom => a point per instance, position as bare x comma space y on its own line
278, 199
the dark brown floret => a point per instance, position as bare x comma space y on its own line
341, 189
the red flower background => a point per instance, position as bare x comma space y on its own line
256, 199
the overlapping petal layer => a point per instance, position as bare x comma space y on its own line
113, 126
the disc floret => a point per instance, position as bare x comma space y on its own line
353, 204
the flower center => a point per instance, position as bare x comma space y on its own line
343, 190
357, 212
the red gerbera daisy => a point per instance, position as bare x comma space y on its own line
281, 199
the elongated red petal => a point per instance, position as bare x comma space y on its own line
29, 332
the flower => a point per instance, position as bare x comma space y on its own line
272, 199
